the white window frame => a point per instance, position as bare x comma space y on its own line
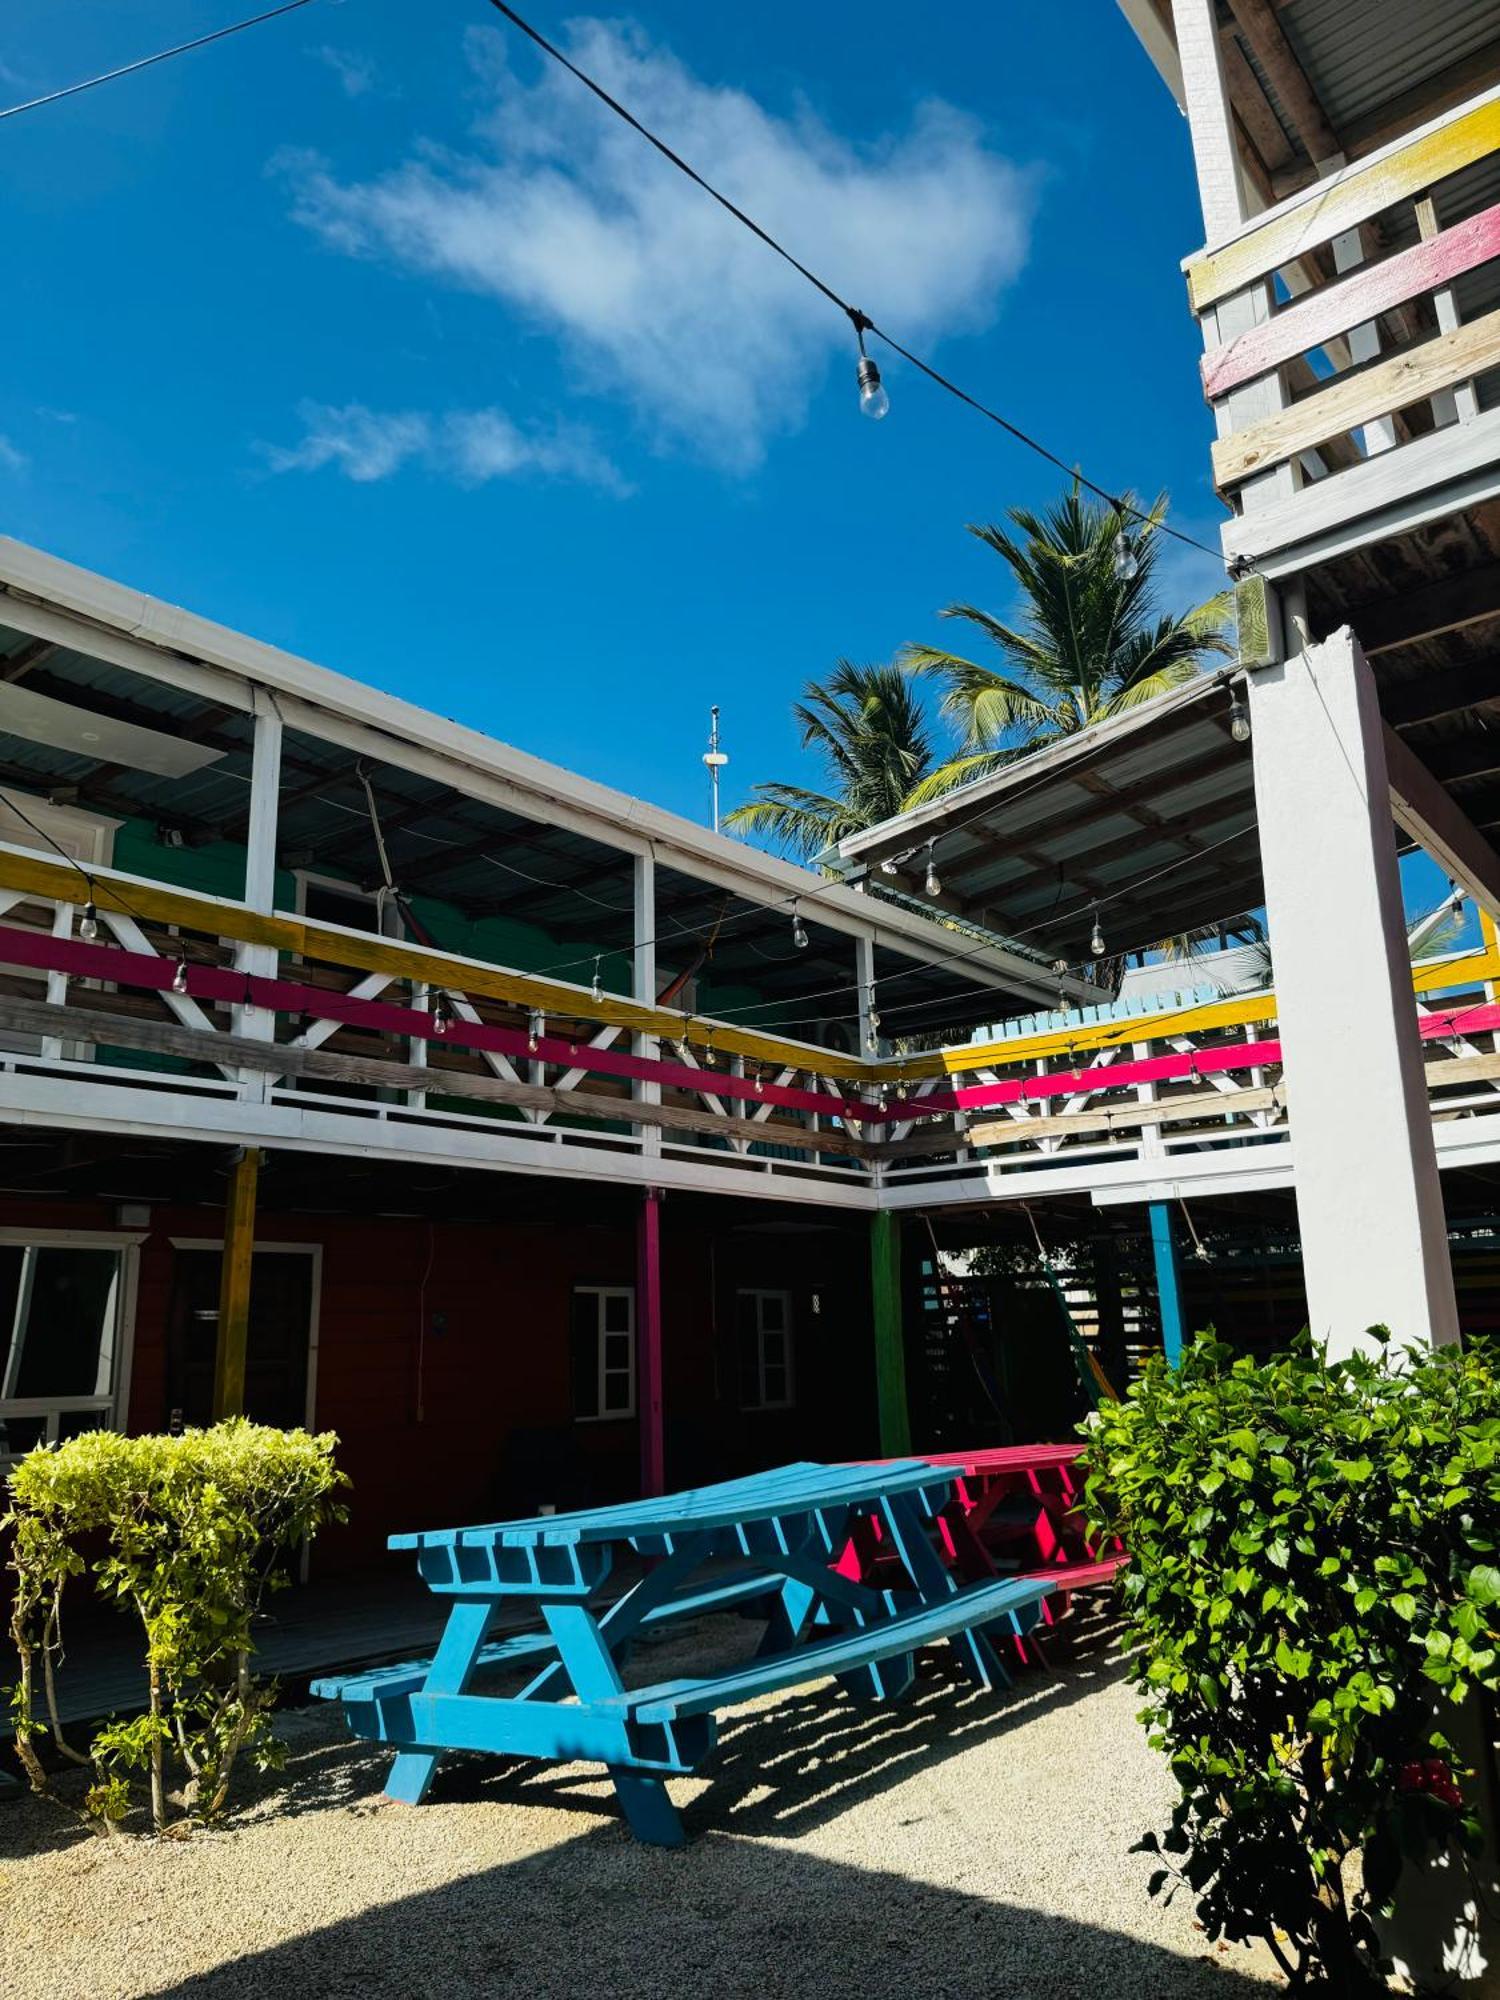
389, 917
599, 1293
113, 1404
760, 1293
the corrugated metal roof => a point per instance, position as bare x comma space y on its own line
1361, 55
1150, 816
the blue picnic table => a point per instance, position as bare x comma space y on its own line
769, 1540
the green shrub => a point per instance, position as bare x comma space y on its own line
190, 1533
1312, 1589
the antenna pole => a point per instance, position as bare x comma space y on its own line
715, 760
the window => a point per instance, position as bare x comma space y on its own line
765, 1324
62, 1319
603, 1352
324, 899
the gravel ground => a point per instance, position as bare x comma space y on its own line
959, 1845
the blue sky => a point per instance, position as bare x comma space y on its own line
369, 335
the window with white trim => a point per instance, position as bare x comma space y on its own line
328, 899
603, 1352
765, 1331
62, 1328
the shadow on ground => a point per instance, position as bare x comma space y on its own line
727, 1916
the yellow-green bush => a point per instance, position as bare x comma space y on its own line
189, 1533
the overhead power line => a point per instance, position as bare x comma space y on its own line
860, 321
147, 62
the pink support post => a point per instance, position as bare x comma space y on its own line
648, 1343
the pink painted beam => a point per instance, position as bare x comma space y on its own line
212, 982
648, 1344
1334, 309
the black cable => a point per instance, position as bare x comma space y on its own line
146, 62
860, 321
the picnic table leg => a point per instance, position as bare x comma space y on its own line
934, 1582
452, 1663
590, 1665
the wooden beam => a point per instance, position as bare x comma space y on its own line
232, 1338
26, 659
1449, 692
1476, 755
1341, 201
1429, 611
1200, 1104
1423, 809
91, 1018
1261, 29
1252, 106
1318, 316
1349, 401
1476, 72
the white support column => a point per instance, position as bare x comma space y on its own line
643, 986
1374, 1239
1210, 119
260, 960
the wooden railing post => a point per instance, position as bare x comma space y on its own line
234, 1286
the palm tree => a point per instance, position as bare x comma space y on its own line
867, 725
1087, 643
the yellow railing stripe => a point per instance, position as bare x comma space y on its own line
1342, 200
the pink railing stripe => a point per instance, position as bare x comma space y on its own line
39, 949
1334, 309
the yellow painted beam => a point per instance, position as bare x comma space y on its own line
1337, 203
365, 953
1346, 402
233, 1335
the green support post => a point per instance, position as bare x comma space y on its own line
890, 1346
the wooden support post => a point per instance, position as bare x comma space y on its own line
648, 1343
1168, 1281
1111, 1308
234, 1286
890, 1348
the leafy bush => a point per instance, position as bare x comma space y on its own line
189, 1532
1311, 1589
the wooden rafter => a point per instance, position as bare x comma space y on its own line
1263, 32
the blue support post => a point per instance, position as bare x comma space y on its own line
1168, 1281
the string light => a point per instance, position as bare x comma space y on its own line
596, 990
932, 883
1239, 718
88, 923
1096, 936
873, 400
535, 1025
180, 975
872, 1023
442, 1014
888, 866
1127, 562
862, 323
799, 929
1455, 898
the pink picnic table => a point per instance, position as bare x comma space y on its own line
1015, 1510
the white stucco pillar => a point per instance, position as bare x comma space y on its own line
1369, 1205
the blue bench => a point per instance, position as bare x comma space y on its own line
772, 1537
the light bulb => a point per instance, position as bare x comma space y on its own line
88, 923
888, 866
873, 401
1096, 939
1455, 898
534, 1029
799, 929
933, 883
596, 991
1127, 566
1239, 720
442, 1014
179, 977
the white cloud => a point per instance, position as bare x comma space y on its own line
354, 71
559, 210
469, 446
12, 458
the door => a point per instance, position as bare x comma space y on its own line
277, 1347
